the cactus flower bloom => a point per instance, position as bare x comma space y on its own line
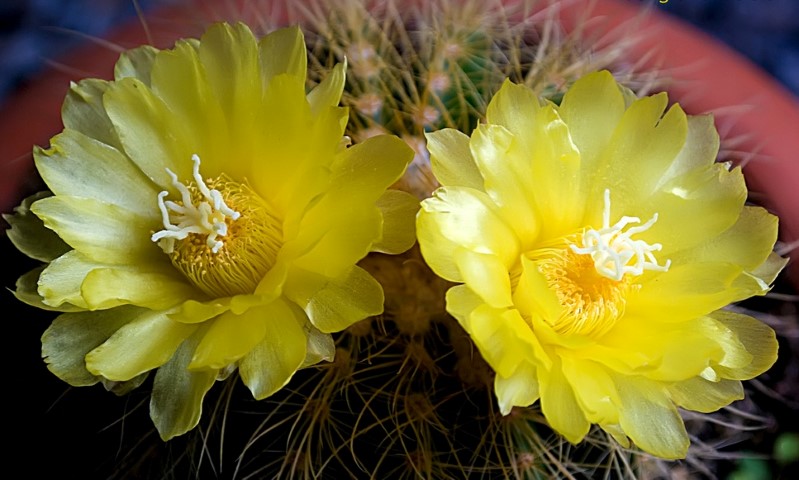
595, 243
212, 215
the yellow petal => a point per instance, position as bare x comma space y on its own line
140, 119
462, 217
328, 92
229, 337
451, 159
177, 399
319, 346
504, 339
700, 149
180, 81
533, 295
650, 419
272, 362
146, 342
27, 292
560, 406
80, 166
713, 196
398, 210
520, 389
283, 51
508, 173
700, 287
83, 111
642, 148
101, 231
342, 225
592, 108
756, 338
71, 336
29, 234
485, 275
230, 56
60, 282
594, 389
461, 302
705, 396
141, 285
748, 242
136, 63
334, 304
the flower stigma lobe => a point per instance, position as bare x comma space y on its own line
207, 218
612, 249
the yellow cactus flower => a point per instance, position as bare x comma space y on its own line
596, 242
214, 214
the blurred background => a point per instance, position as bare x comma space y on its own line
36, 32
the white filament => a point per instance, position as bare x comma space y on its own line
613, 250
207, 218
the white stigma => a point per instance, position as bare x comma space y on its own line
206, 218
613, 250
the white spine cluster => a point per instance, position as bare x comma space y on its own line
612, 249
206, 218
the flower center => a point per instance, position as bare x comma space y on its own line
221, 235
593, 276
613, 250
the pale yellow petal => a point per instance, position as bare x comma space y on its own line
319, 346
650, 419
71, 336
80, 166
748, 242
101, 231
146, 342
700, 149
230, 337
398, 210
272, 362
485, 275
451, 159
714, 197
504, 339
229, 54
533, 296
642, 148
692, 290
755, 337
461, 302
142, 285
508, 178
140, 119
328, 92
462, 217
771, 267
560, 406
84, 112
60, 281
592, 108
594, 389
520, 389
177, 399
283, 51
334, 304
180, 81
27, 291
29, 234
136, 63
705, 396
